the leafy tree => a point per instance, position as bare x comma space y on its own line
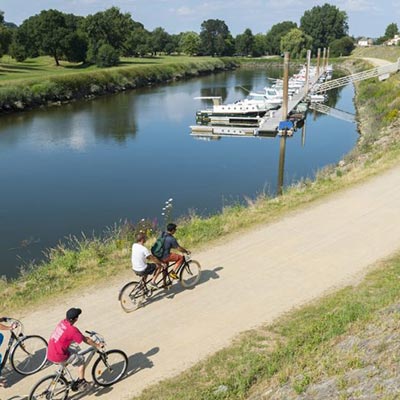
5, 39
296, 42
324, 24
136, 42
391, 30
107, 27
260, 45
1, 17
107, 56
342, 47
172, 45
44, 33
244, 43
159, 39
215, 38
75, 47
274, 35
190, 43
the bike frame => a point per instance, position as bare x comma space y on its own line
63, 368
12, 342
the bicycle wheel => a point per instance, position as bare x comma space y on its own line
29, 355
190, 273
52, 387
132, 296
110, 367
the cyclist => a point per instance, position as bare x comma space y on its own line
60, 349
171, 243
3, 327
143, 262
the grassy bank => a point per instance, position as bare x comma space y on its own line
39, 83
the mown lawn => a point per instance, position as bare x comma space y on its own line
41, 67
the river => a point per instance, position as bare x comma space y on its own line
89, 164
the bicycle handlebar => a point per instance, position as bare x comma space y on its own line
15, 324
96, 337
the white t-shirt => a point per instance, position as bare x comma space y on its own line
139, 256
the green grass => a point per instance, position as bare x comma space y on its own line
390, 53
12, 72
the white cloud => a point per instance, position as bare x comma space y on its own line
184, 11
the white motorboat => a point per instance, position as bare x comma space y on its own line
254, 106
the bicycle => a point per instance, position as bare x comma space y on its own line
27, 353
109, 368
133, 294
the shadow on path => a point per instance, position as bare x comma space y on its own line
176, 288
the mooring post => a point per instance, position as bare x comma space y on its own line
327, 57
323, 59
318, 60
285, 86
308, 70
281, 169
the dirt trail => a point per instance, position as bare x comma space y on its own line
248, 281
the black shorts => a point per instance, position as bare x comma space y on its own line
148, 271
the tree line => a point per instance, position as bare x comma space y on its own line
104, 37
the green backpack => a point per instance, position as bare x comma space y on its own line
158, 247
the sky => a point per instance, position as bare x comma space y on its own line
366, 17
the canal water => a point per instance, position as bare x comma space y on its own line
87, 165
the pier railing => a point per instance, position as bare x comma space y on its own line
382, 71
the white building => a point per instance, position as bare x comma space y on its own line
393, 42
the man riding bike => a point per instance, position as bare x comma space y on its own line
60, 350
170, 242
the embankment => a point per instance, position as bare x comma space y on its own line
55, 90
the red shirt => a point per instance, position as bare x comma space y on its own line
60, 340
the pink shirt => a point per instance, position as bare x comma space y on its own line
60, 340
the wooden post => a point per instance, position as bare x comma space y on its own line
281, 170
318, 60
285, 86
327, 58
308, 70
323, 59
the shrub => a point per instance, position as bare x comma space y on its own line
107, 56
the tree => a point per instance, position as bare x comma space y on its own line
342, 47
244, 43
45, 33
190, 43
274, 35
107, 27
136, 42
296, 42
159, 39
324, 24
391, 30
260, 45
215, 38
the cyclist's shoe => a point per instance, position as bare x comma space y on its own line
152, 286
79, 384
173, 275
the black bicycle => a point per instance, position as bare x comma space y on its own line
27, 353
109, 368
133, 294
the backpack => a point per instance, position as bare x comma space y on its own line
158, 247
